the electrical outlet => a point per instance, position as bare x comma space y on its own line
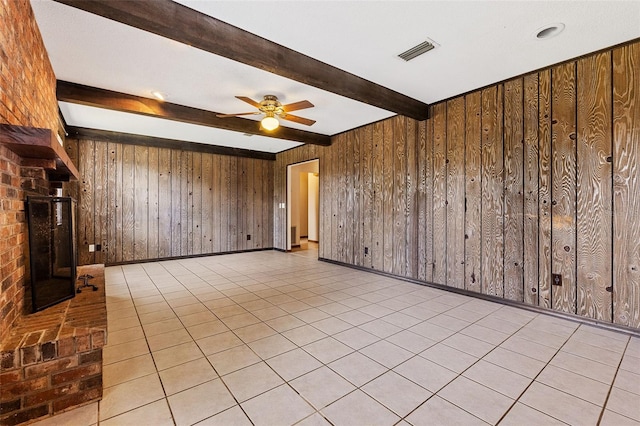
92, 248
366, 251
248, 237
98, 247
556, 279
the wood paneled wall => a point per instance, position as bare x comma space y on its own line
499, 191
142, 202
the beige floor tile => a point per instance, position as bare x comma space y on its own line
626, 380
187, 375
610, 340
630, 363
156, 413
449, 322
168, 339
357, 368
478, 400
497, 378
387, 353
233, 359
397, 393
380, 328
611, 418
315, 419
254, 332
427, 374
625, 403
469, 345
358, 408
284, 323
541, 337
410, 341
439, 412
574, 384
219, 342
251, 381
529, 348
311, 315
401, 320
239, 321
292, 364
269, 313
271, 346
593, 353
431, 331
327, 350
129, 395
228, 310
586, 367
499, 324
378, 310
122, 323
200, 402
321, 387
515, 362
279, 406
197, 318
334, 308
355, 317
176, 355
485, 334
116, 353
449, 357
560, 405
147, 308
233, 416
332, 325
356, 338
521, 415
129, 369
125, 335
161, 327
157, 316
304, 335
207, 329
86, 415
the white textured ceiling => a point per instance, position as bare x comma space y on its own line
479, 43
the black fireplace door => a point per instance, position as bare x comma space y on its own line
51, 250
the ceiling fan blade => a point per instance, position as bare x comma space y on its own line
296, 119
249, 101
297, 106
235, 115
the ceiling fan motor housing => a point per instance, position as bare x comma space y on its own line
270, 104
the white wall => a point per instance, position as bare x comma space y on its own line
314, 207
303, 205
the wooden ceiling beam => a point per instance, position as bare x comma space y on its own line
182, 24
101, 98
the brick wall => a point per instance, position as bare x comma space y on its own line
27, 98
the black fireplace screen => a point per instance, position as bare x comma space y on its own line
52, 251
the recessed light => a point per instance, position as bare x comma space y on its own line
549, 31
158, 95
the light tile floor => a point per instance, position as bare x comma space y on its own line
268, 338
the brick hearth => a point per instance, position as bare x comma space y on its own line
52, 360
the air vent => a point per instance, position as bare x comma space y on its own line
416, 51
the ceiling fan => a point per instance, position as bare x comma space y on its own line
272, 108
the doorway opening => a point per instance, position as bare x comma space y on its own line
303, 207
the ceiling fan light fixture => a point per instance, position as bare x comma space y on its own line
270, 122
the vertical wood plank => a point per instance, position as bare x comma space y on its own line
86, 210
513, 190
399, 195
411, 211
165, 208
186, 236
216, 217
140, 202
428, 189
233, 205
439, 193
544, 193
196, 203
563, 173
176, 202
249, 202
100, 199
225, 201
257, 221
356, 183
112, 184
473, 176
153, 232
270, 206
594, 186
207, 203
377, 181
118, 208
388, 158
492, 192
349, 231
128, 206
423, 227
366, 209
455, 190
626, 178
531, 190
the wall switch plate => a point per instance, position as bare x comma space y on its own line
556, 279
366, 251
92, 248
248, 237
